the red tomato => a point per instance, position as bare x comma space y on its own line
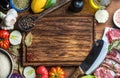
4, 39
42, 72
57, 72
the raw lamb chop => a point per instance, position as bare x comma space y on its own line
110, 68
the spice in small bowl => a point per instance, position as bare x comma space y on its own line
20, 5
26, 23
116, 18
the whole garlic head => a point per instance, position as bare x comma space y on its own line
9, 20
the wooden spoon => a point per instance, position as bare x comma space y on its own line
27, 22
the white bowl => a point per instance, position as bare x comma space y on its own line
7, 60
116, 18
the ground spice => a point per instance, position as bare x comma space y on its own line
21, 4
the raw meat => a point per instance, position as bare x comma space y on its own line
113, 34
103, 72
114, 66
110, 68
114, 55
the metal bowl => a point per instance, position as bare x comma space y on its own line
4, 52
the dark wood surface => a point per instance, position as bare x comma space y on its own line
87, 11
60, 41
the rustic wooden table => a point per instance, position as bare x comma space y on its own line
97, 29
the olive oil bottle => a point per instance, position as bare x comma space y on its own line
99, 4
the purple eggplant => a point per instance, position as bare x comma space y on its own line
16, 75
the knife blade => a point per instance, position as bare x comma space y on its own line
93, 60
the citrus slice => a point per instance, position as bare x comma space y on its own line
50, 3
15, 37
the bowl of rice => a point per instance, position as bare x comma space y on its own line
6, 64
20, 5
116, 18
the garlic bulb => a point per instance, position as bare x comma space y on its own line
8, 20
12, 12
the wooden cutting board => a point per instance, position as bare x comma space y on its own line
60, 38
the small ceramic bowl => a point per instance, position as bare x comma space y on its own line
6, 54
13, 5
116, 18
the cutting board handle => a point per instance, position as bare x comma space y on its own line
78, 72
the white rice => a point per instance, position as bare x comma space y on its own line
4, 66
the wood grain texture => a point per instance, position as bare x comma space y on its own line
61, 38
60, 41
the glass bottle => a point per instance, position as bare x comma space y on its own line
99, 4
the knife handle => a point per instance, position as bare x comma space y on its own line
78, 72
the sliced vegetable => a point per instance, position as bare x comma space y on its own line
29, 72
4, 39
42, 72
15, 37
102, 16
57, 72
16, 75
28, 39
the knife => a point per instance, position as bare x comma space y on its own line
93, 60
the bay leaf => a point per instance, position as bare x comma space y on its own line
28, 39
21, 68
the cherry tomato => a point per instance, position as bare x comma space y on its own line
4, 39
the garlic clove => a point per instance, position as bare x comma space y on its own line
9, 20
12, 12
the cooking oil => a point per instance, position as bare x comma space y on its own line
99, 4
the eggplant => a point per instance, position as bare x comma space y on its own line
16, 75
76, 5
4, 5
